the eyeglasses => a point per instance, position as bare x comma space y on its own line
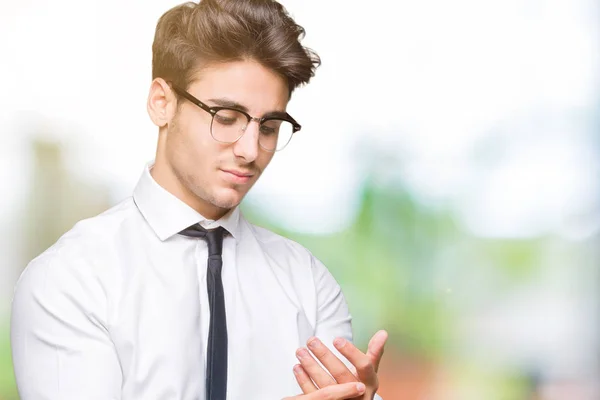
228, 124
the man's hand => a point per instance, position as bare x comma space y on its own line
333, 392
311, 376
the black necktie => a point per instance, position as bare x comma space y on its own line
216, 366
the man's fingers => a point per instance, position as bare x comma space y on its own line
313, 369
334, 365
306, 384
339, 391
376, 348
364, 367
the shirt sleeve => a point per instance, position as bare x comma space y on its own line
60, 344
333, 317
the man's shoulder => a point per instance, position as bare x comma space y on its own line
270, 240
89, 237
74, 269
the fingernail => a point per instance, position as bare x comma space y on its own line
301, 353
297, 369
360, 387
313, 343
339, 343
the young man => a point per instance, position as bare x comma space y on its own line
172, 294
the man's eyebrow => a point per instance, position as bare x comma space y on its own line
228, 103
224, 102
276, 114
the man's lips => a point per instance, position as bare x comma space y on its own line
236, 176
241, 174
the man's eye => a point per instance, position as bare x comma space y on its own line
224, 120
228, 117
267, 130
270, 127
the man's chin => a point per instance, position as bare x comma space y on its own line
228, 198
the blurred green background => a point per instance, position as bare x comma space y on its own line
446, 173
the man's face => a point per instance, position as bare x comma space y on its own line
214, 176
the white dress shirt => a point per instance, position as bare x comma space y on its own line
117, 308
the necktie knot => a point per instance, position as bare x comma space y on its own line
213, 237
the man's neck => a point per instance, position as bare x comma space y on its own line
166, 178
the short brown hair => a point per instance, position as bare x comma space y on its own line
190, 36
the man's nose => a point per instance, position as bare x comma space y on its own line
247, 146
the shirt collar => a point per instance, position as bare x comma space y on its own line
167, 215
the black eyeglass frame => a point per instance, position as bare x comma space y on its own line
214, 110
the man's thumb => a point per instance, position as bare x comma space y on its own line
376, 347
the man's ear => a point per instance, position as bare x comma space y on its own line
162, 103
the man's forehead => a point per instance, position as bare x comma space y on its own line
245, 86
